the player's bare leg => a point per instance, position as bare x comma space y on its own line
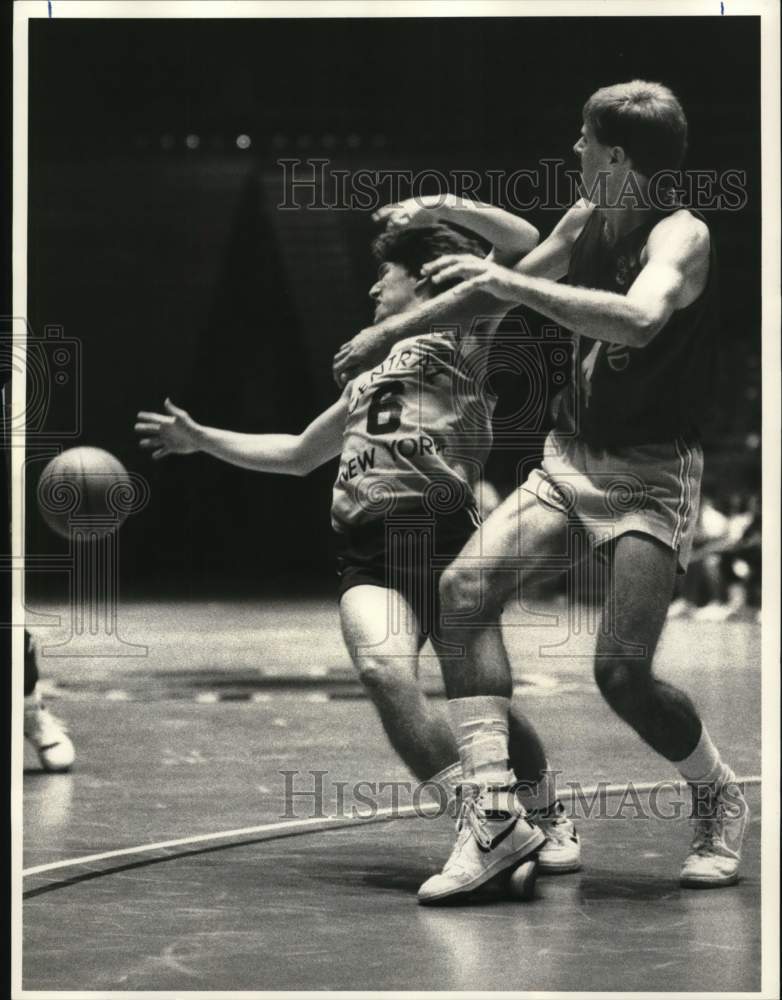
634, 613
494, 833
381, 633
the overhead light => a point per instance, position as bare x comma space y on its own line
243, 141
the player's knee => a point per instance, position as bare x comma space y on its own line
620, 683
464, 593
380, 673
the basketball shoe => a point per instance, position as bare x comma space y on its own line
561, 852
492, 835
47, 734
720, 818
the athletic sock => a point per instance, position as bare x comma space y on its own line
480, 725
540, 797
446, 783
704, 765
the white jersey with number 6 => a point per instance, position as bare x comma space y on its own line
417, 434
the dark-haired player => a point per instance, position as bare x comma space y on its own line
624, 460
412, 433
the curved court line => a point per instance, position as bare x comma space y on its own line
299, 827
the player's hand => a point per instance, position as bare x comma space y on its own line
478, 272
422, 211
172, 433
366, 349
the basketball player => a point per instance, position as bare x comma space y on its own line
624, 460
46, 733
413, 434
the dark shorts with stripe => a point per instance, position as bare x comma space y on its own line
406, 553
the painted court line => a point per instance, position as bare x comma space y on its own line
298, 827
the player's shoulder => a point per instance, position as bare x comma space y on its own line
572, 223
682, 230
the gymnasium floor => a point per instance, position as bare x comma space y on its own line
187, 743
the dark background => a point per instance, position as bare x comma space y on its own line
177, 275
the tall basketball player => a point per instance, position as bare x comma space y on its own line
412, 434
624, 460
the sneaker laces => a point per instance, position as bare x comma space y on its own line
557, 827
708, 829
472, 816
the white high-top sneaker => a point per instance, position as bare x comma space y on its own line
561, 852
47, 734
492, 835
720, 820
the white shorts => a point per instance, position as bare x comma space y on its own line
652, 488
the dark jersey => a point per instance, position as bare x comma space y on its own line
638, 395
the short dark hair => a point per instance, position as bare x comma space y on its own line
645, 119
412, 248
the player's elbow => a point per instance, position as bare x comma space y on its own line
303, 461
299, 466
533, 238
525, 241
646, 327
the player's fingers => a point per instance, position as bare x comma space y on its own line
157, 418
341, 363
160, 453
432, 266
149, 443
173, 410
146, 428
385, 211
449, 273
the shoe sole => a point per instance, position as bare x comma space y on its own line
532, 845
564, 869
702, 883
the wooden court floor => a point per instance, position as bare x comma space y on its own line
257, 891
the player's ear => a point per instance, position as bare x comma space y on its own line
618, 156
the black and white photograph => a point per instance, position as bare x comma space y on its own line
391, 427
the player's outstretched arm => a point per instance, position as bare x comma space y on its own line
511, 237
176, 433
674, 275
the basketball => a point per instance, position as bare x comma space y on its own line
522, 881
84, 487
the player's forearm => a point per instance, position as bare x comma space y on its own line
590, 312
511, 236
280, 453
440, 309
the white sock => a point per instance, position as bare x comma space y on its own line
480, 725
541, 796
704, 765
444, 784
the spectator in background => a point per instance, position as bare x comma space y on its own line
724, 574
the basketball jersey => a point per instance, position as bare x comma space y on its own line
639, 395
417, 434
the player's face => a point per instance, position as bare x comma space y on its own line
393, 292
595, 162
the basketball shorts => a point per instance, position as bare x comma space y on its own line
406, 553
653, 489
